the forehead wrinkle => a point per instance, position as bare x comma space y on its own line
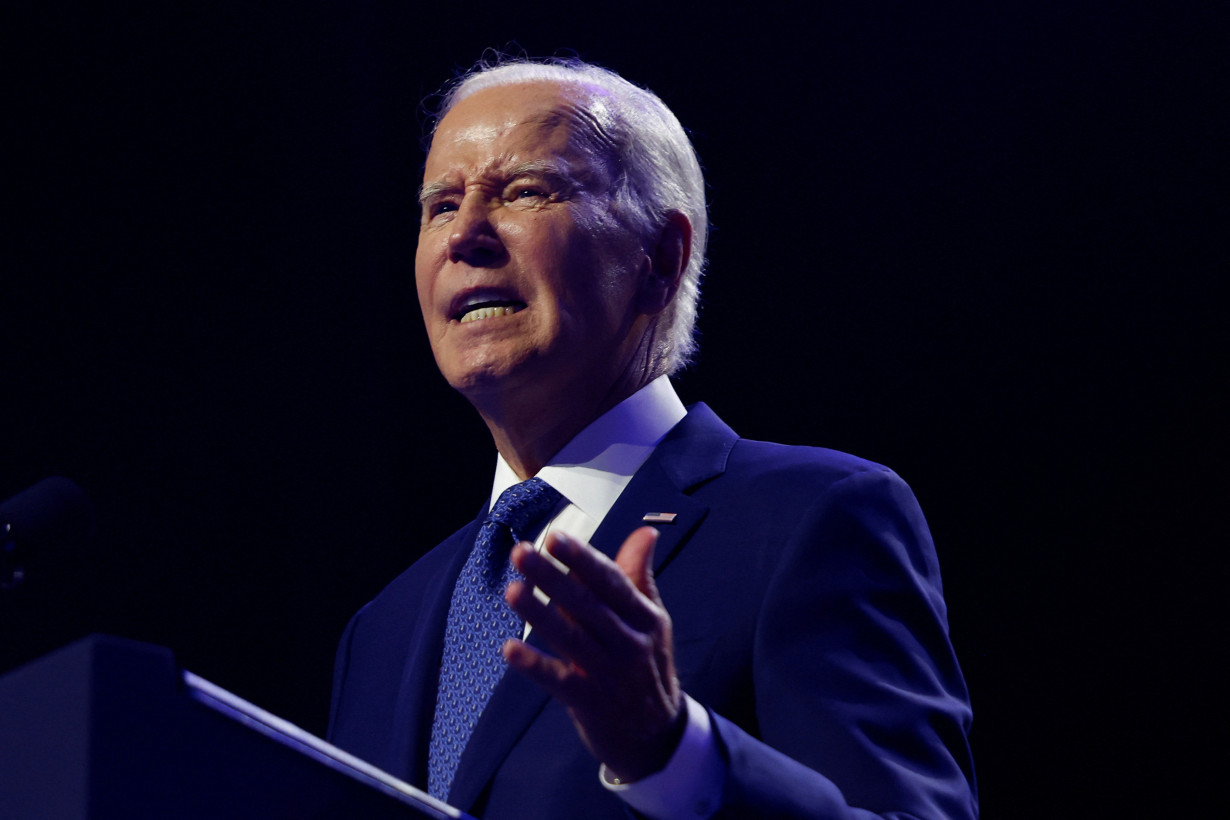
590, 149
586, 129
589, 153
587, 124
561, 171
453, 177
557, 168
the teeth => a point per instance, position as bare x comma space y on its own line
488, 312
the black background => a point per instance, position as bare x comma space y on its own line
986, 246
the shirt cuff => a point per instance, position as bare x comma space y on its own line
691, 783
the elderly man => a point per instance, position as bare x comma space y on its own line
774, 644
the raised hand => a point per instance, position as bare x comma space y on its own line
613, 666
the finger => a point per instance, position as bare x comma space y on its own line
631, 590
635, 559
605, 580
571, 596
559, 632
552, 674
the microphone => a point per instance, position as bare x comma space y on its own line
54, 513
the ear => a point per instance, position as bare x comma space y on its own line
667, 259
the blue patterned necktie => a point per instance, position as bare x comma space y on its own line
479, 621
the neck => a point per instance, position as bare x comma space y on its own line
529, 428
532, 418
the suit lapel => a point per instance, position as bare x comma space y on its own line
650, 491
514, 704
416, 698
693, 452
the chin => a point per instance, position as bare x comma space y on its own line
478, 374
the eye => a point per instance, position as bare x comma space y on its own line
436, 207
530, 190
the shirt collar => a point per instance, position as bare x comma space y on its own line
593, 469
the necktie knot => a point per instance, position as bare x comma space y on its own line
523, 506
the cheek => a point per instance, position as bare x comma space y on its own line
513, 232
535, 244
612, 264
611, 247
424, 275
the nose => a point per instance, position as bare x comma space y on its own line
473, 238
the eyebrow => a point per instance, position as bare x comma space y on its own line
431, 191
537, 167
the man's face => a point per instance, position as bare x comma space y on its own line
525, 279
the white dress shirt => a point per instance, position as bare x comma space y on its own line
590, 472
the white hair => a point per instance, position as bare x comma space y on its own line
656, 170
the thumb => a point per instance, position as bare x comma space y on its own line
635, 560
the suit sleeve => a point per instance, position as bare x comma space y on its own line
861, 708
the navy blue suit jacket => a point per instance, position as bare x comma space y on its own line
808, 618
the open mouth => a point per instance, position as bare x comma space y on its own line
487, 310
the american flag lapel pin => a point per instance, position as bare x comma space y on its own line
658, 518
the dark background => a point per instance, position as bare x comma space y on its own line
986, 246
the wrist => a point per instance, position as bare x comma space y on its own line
654, 755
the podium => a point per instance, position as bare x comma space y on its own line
108, 728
